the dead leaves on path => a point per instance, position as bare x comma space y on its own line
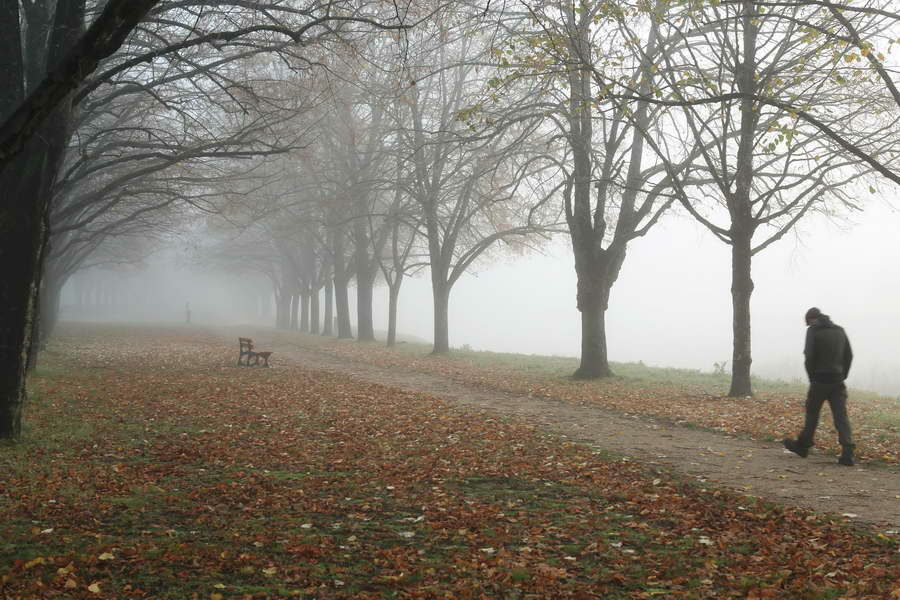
211, 481
766, 416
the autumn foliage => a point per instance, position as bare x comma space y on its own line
769, 415
155, 467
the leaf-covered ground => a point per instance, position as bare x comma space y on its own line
775, 412
154, 467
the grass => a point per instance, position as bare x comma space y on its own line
140, 477
553, 366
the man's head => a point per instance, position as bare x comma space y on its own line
812, 315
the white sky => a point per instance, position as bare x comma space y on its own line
670, 307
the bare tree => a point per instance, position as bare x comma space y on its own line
404, 226
472, 190
761, 168
612, 191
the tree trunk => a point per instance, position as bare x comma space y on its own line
342, 304
593, 295
314, 316
48, 301
26, 181
22, 233
441, 295
741, 290
304, 308
37, 330
742, 220
365, 282
329, 309
295, 308
341, 281
51, 299
393, 300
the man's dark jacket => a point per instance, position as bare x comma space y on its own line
828, 353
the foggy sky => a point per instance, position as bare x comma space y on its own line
670, 307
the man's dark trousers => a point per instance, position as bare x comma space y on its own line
836, 395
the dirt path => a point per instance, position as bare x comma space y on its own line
870, 494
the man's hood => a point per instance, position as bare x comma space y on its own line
824, 321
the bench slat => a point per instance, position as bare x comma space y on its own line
246, 349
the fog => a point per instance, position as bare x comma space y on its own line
670, 307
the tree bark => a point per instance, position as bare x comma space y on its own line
342, 304
329, 309
36, 333
23, 234
26, 179
441, 295
295, 309
314, 316
341, 281
593, 296
741, 290
742, 220
393, 301
49, 302
365, 282
304, 307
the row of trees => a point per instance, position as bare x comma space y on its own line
393, 179
746, 117
116, 117
316, 147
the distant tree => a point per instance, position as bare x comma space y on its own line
404, 233
134, 169
355, 140
471, 189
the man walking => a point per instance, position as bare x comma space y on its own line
827, 361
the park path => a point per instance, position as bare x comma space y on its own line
863, 494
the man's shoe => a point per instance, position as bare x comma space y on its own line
795, 447
846, 457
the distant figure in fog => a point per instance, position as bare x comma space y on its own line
187, 313
827, 361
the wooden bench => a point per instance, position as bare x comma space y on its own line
247, 353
